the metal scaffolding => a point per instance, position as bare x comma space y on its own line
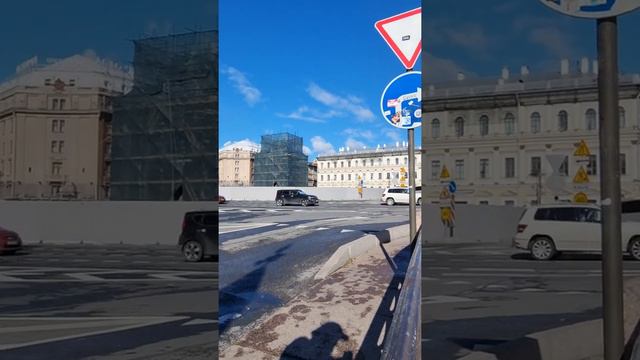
165, 131
281, 161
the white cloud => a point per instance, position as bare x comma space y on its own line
359, 133
320, 146
306, 150
245, 144
354, 144
305, 113
556, 42
393, 135
250, 93
440, 69
348, 103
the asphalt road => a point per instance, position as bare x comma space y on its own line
270, 254
107, 302
479, 296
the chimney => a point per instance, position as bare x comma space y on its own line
564, 67
505, 72
524, 70
584, 66
460, 76
595, 67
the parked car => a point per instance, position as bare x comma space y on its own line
222, 199
10, 241
548, 230
399, 195
199, 237
295, 197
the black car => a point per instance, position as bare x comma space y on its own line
295, 197
199, 237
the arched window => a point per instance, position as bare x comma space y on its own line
484, 125
622, 116
590, 119
535, 122
435, 128
509, 124
459, 126
563, 121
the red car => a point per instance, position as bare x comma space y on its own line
10, 241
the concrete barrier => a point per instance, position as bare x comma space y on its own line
345, 253
97, 222
265, 193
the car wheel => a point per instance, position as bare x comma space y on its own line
192, 251
391, 202
419, 202
279, 202
634, 247
304, 203
542, 248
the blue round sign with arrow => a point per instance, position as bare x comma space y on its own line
453, 187
401, 101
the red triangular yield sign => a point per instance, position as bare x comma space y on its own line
403, 33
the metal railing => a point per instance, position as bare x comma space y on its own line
403, 336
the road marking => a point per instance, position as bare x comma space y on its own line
321, 228
116, 324
233, 227
444, 299
346, 231
424, 278
301, 227
281, 225
200, 322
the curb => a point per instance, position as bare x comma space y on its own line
345, 253
572, 342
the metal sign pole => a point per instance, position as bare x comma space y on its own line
412, 186
610, 187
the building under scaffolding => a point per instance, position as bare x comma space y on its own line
165, 131
281, 161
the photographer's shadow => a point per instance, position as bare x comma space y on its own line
320, 346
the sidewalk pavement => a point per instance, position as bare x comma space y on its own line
343, 316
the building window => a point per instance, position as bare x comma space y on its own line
435, 169
342, 177
590, 119
56, 168
349, 163
54, 146
371, 177
484, 168
388, 176
535, 122
371, 162
335, 164
55, 190
341, 164
536, 165
563, 121
60, 147
435, 128
54, 104
564, 168
62, 103
623, 164
321, 177
356, 163
54, 126
509, 168
592, 166
335, 177
379, 176
459, 127
397, 161
405, 160
484, 125
509, 124
349, 177
622, 116
459, 169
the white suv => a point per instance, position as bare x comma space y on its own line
400, 195
547, 230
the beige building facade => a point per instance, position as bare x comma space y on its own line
496, 136
55, 126
379, 168
235, 166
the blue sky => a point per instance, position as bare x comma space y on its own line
60, 29
317, 68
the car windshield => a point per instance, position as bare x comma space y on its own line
300, 192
